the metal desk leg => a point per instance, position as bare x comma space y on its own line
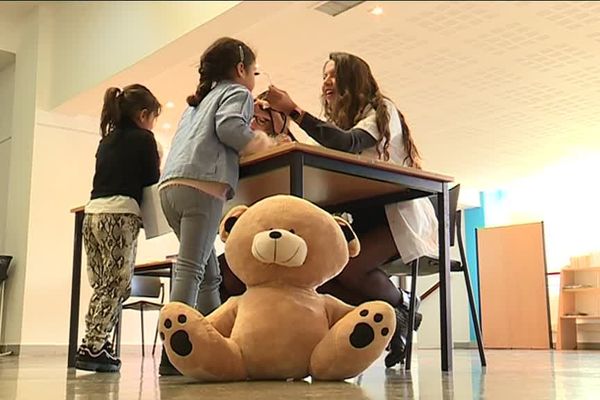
444, 257
75, 289
297, 175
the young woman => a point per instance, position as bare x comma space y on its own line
361, 120
126, 161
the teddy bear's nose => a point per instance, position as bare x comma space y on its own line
275, 235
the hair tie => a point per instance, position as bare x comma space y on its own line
241, 53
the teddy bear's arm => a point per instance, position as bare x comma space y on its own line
336, 309
224, 316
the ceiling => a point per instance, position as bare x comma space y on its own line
492, 91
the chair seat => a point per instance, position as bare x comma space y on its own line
427, 266
146, 305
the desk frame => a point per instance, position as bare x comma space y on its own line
296, 157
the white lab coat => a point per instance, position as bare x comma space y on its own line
413, 223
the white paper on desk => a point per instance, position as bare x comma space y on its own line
302, 137
155, 223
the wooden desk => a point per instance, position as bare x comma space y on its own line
334, 180
161, 269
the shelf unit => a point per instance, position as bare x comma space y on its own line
577, 300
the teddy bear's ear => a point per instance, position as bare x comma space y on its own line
229, 220
351, 238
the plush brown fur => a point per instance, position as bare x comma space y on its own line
282, 248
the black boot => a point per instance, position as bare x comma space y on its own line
166, 368
398, 342
406, 302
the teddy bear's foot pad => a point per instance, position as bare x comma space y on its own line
180, 343
364, 334
196, 348
354, 342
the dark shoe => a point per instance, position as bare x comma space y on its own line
406, 301
102, 360
166, 368
398, 342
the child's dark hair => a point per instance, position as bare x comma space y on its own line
124, 105
218, 63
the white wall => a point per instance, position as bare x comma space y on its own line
63, 164
7, 84
10, 18
61, 51
15, 244
84, 34
565, 197
63, 169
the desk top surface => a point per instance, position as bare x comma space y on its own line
335, 155
341, 156
166, 263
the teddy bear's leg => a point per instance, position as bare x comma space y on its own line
196, 348
354, 342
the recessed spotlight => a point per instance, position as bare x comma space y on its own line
166, 125
170, 104
377, 11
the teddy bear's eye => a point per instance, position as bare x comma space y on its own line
292, 231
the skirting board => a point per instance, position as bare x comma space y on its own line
457, 345
60, 350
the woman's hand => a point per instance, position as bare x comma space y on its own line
279, 100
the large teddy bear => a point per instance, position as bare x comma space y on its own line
282, 248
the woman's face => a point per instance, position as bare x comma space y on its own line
271, 123
261, 120
328, 88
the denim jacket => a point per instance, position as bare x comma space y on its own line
210, 136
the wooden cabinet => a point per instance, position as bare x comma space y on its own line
579, 300
514, 294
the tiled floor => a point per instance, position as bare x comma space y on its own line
510, 375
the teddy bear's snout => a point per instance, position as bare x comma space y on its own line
281, 247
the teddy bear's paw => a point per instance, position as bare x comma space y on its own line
354, 342
371, 325
180, 340
179, 328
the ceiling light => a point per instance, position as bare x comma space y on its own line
335, 8
166, 126
377, 11
170, 104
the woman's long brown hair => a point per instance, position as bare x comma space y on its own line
356, 89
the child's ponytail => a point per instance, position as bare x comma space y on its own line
111, 113
125, 105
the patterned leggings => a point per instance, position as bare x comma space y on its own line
110, 244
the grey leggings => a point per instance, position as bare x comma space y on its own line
194, 217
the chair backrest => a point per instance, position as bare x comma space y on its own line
4, 264
145, 286
453, 206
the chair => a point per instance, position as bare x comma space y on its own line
4, 267
143, 286
430, 265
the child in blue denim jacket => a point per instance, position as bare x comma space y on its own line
202, 169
